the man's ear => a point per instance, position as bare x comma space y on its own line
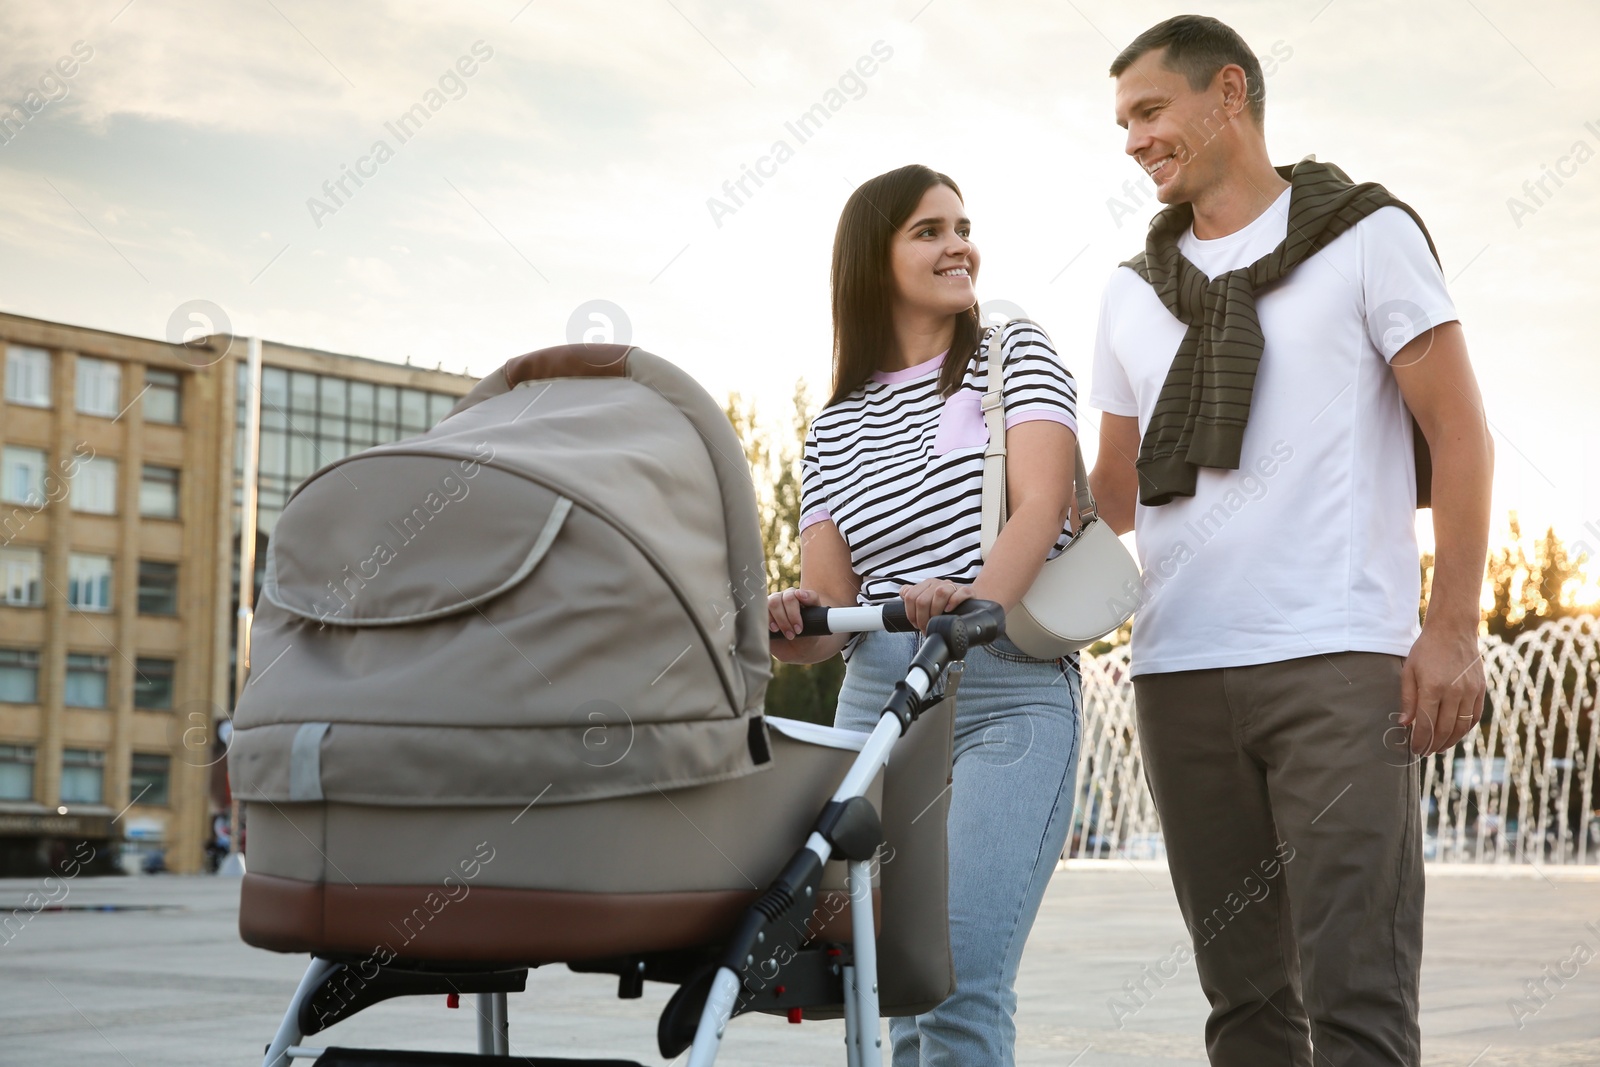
1235, 89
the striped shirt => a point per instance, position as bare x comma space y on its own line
899, 469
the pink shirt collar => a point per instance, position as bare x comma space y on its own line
916, 370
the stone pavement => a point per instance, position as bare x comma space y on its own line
166, 981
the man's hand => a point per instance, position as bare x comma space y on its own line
1441, 689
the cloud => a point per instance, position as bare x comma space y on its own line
586, 148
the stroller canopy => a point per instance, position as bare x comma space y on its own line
556, 594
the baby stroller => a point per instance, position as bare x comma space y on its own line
505, 710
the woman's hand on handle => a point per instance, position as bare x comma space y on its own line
783, 623
783, 610
826, 580
930, 597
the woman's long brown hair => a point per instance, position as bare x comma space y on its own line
863, 288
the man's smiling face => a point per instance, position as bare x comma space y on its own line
1175, 133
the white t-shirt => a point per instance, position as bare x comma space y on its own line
1310, 546
899, 468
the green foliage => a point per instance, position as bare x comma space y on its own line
1524, 589
808, 692
1528, 591
774, 461
1120, 636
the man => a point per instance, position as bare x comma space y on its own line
1277, 368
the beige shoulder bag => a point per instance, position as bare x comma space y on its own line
1087, 591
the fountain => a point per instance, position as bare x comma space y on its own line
1520, 789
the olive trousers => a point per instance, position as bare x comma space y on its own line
1290, 807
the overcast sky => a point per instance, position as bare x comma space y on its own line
185, 158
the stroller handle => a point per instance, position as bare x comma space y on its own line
983, 620
889, 616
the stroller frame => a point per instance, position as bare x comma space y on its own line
766, 946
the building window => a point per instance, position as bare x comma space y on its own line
99, 387
89, 582
302, 393
83, 777
163, 396
310, 420
28, 376
302, 458
94, 486
148, 782
19, 676
152, 683
334, 392
363, 402
388, 414
158, 492
413, 411
16, 772
86, 680
20, 569
439, 405
158, 588
22, 475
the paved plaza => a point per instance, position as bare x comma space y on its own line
164, 980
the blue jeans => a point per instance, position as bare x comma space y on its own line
1016, 760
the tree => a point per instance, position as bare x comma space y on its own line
797, 691
1526, 590
1120, 636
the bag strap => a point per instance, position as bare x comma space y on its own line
994, 453
995, 509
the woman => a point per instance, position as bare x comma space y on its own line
891, 491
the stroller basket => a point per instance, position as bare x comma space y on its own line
512, 716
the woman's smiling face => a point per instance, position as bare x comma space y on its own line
933, 263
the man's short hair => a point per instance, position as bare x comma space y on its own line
1197, 46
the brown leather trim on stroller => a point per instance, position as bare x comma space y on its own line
493, 924
569, 361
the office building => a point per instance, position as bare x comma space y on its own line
120, 472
